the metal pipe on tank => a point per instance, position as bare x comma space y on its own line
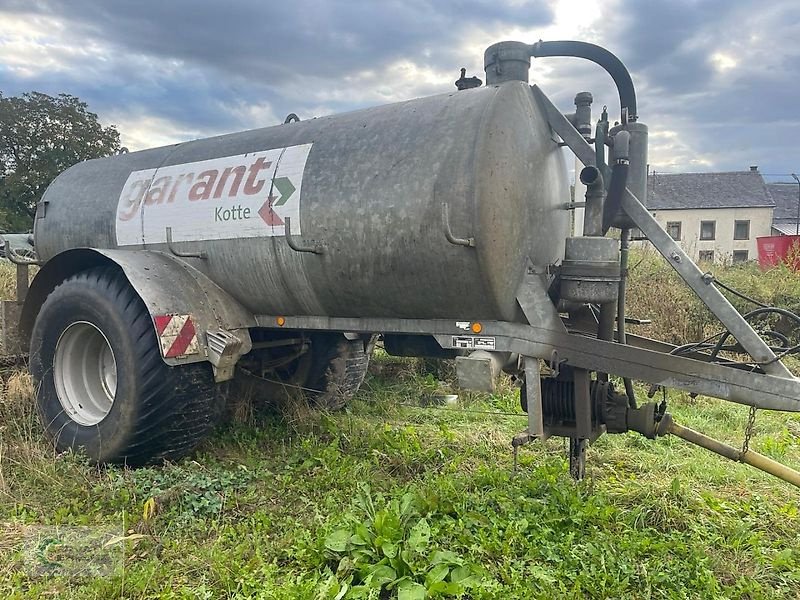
507, 61
605, 322
637, 177
595, 194
600, 135
602, 57
583, 123
583, 114
579, 191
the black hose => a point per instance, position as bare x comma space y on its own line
754, 313
616, 189
737, 293
602, 57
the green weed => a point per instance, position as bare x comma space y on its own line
386, 545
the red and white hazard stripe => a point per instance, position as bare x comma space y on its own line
176, 334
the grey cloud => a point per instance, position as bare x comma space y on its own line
271, 41
732, 118
314, 56
285, 54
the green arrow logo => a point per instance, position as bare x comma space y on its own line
285, 188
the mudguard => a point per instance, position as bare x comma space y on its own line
195, 320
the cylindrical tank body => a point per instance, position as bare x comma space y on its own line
369, 186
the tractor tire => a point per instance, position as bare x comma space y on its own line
328, 372
102, 386
337, 371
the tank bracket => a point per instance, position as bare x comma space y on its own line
179, 253
448, 233
314, 247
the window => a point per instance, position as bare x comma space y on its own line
706, 256
708, 230
740, 255
674, 230
741, 231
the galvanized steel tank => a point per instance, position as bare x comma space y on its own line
369, 185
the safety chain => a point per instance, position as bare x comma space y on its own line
247, 371
748, 430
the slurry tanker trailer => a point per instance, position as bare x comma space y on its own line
441, 224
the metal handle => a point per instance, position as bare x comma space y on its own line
180, 254
314, 248
469, 242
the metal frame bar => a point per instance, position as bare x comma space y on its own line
752, 389
533, 387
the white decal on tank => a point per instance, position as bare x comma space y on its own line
469, 342
484, 343
242, 196
463, 341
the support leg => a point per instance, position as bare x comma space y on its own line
533, 389
577, 458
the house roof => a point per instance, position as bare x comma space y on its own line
786, 199
786, 228
737, 189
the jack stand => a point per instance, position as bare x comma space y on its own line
520, 440
532, 394
577, 458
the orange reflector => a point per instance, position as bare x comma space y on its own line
476, 327
281, 321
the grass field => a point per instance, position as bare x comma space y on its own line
393, 499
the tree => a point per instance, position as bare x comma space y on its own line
41, 136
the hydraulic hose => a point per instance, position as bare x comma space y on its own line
616, 188
619, 179
602, 57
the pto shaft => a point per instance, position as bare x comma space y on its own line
754, 459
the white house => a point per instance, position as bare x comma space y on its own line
716, 217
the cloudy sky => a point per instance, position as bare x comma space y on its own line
717, 80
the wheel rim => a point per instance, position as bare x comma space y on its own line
85, 373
